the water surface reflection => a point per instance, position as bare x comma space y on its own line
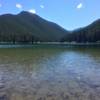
45, 73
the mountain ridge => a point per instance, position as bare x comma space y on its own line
90, 33
26, 27
31, 24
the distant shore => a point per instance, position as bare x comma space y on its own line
8, 45
58, 43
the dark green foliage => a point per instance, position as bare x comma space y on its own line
28, 28
90, 33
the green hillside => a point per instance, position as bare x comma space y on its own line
28, 27
90, 33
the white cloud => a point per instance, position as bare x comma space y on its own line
32, 11
19, 6
0, 5
42, 6
79, 6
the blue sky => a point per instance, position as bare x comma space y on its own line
70, 14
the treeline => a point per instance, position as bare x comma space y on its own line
14, 38
30, 28
26, 27
90, 33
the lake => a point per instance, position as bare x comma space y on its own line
44, 72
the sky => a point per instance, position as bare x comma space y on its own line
70, 14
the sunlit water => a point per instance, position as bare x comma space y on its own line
49, 73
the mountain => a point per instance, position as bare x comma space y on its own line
90, 33
28, 27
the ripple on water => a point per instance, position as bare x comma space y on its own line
49, 74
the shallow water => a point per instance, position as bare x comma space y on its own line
49, 73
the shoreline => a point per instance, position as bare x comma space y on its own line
49, 44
